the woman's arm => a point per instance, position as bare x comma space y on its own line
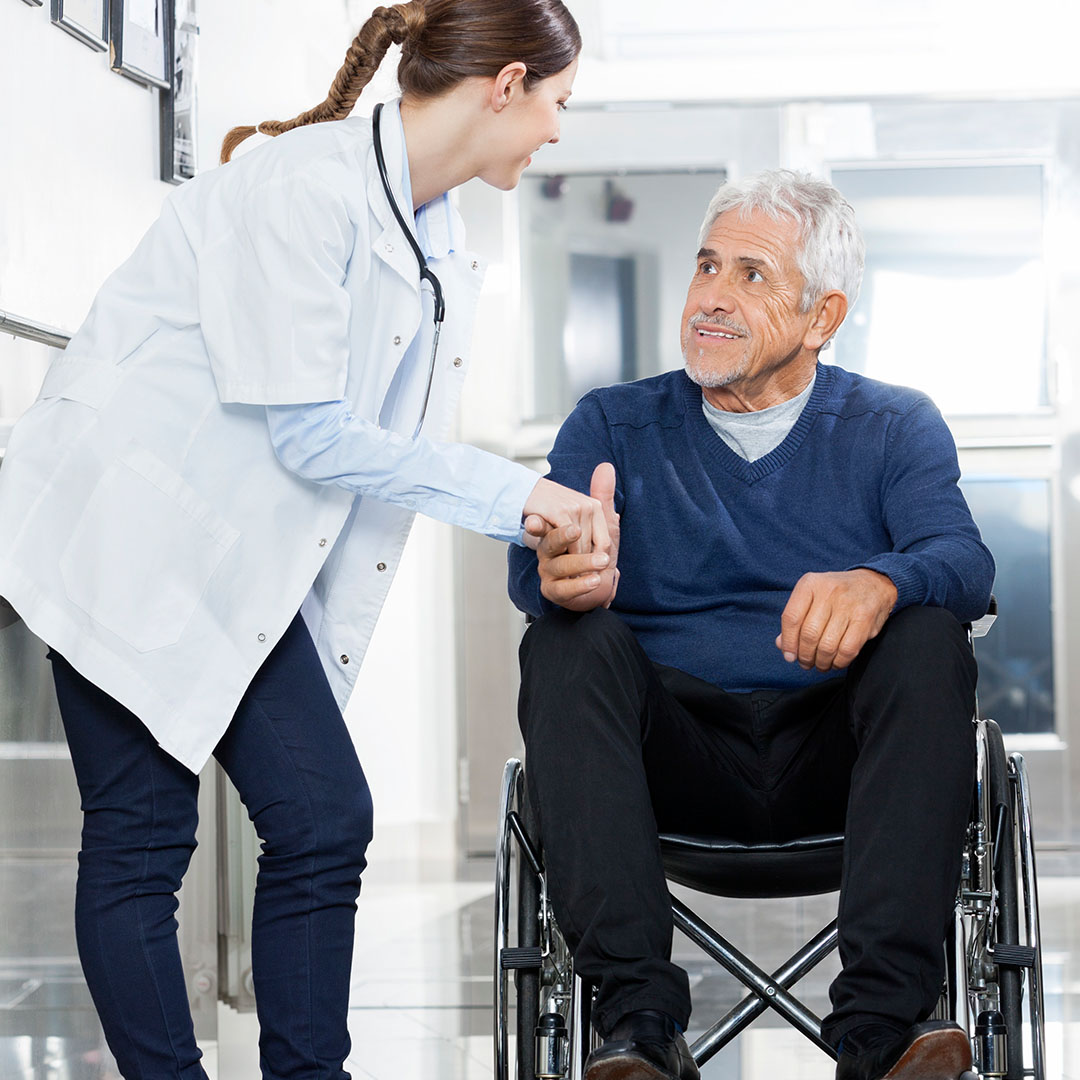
453, 482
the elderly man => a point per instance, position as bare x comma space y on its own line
773, 649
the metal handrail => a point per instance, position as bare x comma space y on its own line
33, 331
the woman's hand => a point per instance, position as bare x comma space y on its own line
573, 574
558, 507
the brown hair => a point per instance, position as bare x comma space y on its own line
443, 43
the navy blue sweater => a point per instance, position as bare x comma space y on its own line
712, 545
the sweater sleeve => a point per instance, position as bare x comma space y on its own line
938, 558
583, 443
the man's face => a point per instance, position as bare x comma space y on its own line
742, 324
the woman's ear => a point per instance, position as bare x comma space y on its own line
509, 82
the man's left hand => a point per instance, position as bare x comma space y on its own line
830, 617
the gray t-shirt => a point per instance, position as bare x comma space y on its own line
753, 434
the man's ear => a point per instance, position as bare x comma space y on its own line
508, 83
829, 312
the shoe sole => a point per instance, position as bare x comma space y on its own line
628, 1067
937, 1055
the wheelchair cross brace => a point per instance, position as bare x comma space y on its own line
768, 991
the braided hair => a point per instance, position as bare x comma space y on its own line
443, 42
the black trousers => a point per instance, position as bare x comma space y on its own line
619, 749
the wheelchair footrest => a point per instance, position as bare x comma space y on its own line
1014, 955
527, 957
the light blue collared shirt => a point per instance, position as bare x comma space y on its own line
452, 482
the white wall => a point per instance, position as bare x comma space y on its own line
78, 168
78, 187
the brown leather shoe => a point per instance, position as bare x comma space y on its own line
936, 1050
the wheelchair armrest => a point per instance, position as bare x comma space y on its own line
981, 627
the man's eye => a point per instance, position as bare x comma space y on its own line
706, 268
754, 276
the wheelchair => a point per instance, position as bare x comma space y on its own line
993, 985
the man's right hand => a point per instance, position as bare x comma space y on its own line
574, 574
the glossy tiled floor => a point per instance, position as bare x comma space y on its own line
421, 999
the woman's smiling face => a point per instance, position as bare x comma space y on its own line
529, 121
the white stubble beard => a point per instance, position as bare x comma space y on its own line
698, 371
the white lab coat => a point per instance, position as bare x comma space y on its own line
147, 530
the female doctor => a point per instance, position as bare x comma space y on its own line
240, 432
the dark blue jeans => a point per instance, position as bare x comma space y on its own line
291, 758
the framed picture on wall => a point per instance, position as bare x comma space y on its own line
138, 38
179, 161
87, 20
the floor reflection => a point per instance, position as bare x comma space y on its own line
422, 989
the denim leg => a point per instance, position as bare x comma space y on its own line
140, 808
293, 762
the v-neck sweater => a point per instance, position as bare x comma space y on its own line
753, 434
712, 545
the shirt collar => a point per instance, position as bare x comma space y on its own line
793, 406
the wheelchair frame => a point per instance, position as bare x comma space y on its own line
989, 968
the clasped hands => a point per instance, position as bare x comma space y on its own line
828, 618
578, 561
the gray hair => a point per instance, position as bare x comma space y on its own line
831, 253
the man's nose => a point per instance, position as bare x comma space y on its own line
718, 296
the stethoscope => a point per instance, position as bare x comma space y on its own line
426, 273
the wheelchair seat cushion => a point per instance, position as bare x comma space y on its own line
801, 867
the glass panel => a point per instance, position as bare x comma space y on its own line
954, 296
47, 1017
1016, 659
599, 343
28, 710
48, 1025
606, 261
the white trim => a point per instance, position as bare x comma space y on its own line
34, 751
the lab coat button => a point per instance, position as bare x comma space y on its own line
344, 658
476, 265
322, 542
458, 361
381, 567
262, 637
397, 339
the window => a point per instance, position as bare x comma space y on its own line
954, 295
1016, 659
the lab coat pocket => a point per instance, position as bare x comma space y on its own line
143, 551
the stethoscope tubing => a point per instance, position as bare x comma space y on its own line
426, 273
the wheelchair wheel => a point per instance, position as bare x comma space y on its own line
536, 992
990, 965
